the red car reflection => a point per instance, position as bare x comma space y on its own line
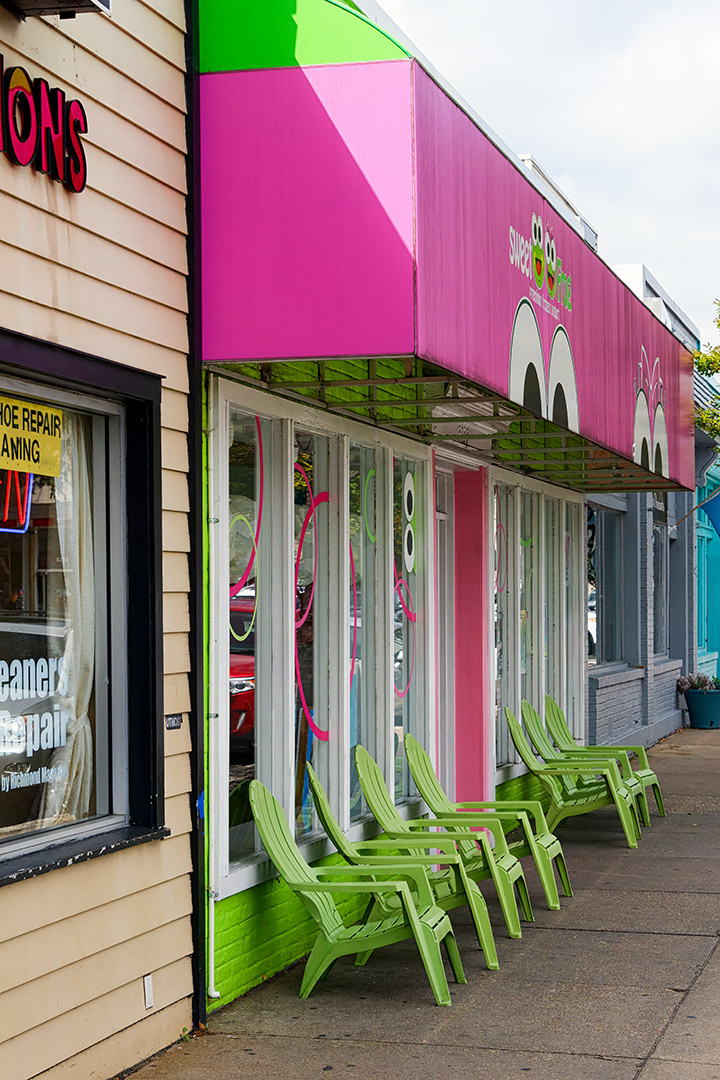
242, 679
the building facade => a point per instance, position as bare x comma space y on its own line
95, 822
415, 372
642, 592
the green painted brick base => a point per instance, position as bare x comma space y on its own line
260, 932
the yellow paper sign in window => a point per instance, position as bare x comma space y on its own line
30, 437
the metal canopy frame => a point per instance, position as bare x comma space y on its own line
409, 396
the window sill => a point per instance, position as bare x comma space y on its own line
605, 675
19, 867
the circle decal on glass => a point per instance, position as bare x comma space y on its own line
409, 496
409, 548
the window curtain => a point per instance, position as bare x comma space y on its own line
69, 799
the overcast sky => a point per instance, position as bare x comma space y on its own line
618, 100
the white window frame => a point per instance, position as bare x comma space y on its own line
574, 667
277, 746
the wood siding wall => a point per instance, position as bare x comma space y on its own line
104, 272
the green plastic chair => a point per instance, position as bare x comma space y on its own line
479, 859
544, 847
588, 782
557, 725
563, 805
451, 886
419, 917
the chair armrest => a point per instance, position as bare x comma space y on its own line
438, 841
639, 751
412, 860
416, 874
531, 807
604, 768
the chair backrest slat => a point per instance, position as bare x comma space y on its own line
557, 725
327, 818
376, 793
280, 845
528, 758
429, 786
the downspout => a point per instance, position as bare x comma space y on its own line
212, 992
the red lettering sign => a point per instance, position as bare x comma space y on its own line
39, 127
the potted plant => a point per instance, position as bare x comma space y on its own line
702, 694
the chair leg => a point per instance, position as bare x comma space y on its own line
642, 804
318, 964
628, 817
453, 955
659, 799
563, 874
431, 957
524, 896
481, 920
503, 881
543, 863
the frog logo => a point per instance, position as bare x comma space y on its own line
538, 251
550, 262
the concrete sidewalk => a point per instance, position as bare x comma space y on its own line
623, 982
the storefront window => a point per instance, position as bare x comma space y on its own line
319, 537
505, 539
364, 545
312, 590
660, 574
572, 589
552, 608
407, 521
56, 748
530, 550
246, 498
538, 558
604, 585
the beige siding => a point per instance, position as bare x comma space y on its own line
104, 272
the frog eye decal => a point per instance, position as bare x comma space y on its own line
409, 531
538, 252
562, 397
642, 438
550, 264
660, 442
527, 367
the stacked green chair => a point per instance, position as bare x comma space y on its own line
419, 917
451, 885
544, 847
499, 865
561, 735
562, 804
587, 782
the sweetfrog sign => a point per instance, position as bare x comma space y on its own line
537, 257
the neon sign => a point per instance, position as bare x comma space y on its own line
39, 127
15, 499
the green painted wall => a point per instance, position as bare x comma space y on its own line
242, 35
523, 787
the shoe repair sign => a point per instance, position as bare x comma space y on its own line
30, 437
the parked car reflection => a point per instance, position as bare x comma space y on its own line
242, 679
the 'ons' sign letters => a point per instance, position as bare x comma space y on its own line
40, 127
